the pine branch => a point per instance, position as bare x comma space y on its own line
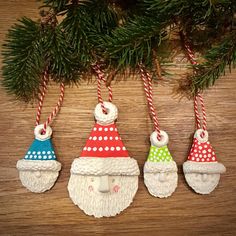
23, 59
217, 59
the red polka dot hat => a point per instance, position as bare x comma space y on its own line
202, 158
104, 152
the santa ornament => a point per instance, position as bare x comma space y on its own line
39, 169
160, 169
104, 179
201, 170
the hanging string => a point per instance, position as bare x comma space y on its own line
41, 99
198, 98
100, 79
147, 82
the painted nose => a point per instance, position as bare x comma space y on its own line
162, 177
104, 184
204, 177
38, 174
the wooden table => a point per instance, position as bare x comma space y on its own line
52, 213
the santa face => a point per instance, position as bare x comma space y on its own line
102, 195
38, 181
202, 183
161, 184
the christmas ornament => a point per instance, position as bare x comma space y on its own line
201, 170
160, 170
39, 169
104, 179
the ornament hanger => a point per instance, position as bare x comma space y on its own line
41, 99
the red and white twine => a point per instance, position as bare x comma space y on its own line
100, 78
198, 98
41, 99
147, 82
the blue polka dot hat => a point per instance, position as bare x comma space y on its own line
40, 155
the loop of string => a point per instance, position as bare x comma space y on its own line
100, 78
198, 98
147, 82
41, 99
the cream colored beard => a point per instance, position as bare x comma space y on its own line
102, 204
38, 184
160, 189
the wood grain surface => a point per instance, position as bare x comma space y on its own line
53, 213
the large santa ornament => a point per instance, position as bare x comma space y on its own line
39, 169
202, 170
104, 179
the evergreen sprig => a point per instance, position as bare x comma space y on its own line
23, 59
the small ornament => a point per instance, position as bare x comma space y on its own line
39, 169
160, 170
201, 170
104, 179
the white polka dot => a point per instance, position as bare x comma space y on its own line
200, 155
94, 149
90, 138
111, 137
100, 129
208, 142
197, 159
39, 156
52, 152
208, 159
94, 138
118, 148
193, 158
31, 156
209, 155
209, 150
116, 138
38, 153
164, 154
94, 128
33, 152
205, 146
213, 153
200, 147
161, 150
35, 156
43, 152
106, 148
54, 156
45, 157
106, 129
123, 148
204, 151
26, 156
112, 148
89, 149
111, 129
202, 159
196, 155
205, 156
213, 158
100, 149
159, 154
29, 152
115, 129
105, 138
100, 138
198, 143
195, 150
85, 148
48, 152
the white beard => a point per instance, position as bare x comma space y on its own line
161, 189
38, 184
102, 204
196, 182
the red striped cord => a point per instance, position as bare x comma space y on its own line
100, 78
198, 98
41, 99
147, 82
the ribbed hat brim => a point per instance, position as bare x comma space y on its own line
35, 165
154, 167
105, 166
203, 167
